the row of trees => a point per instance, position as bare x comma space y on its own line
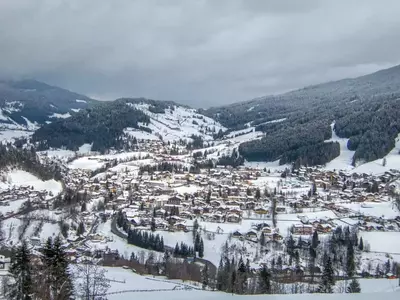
146, 240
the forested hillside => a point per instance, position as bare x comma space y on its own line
36, 102
102, 126
365, 109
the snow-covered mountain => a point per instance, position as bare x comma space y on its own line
28, 104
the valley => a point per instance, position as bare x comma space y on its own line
252, 198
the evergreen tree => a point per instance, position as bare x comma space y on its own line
61, 279
197, 242
21, 271
328, 280
201, 248
265, 281
315, 240
81, 229
361, 244
241, 278
350, 264
204, 276
258, 194
153, 225
354, 286
221, 276
262, 239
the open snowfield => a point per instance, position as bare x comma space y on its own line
126, 284
383, 241
385, 209
13, 207
23, 178
8, 135
96, 161
86, 164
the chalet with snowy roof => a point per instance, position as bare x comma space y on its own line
233, 218
302, 229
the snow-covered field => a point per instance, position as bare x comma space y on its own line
386, 209
97, 161
23, 178
383, 241
8, 135
126, 284
86, 163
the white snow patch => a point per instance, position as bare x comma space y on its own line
80, 101
30, 125
85, 148
60, 116
75, 109
9, 135
382, 241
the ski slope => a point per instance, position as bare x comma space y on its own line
344, 160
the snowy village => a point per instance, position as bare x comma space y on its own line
171, 213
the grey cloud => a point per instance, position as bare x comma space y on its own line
200, 53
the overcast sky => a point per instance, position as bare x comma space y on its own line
197, 52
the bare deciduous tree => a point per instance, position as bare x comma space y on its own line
91, 281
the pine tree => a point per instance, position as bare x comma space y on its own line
205, 275
361, 244
262, 239
62, 283
197, 242
354, 286
221, 276
21, 271
328, 280
315, 240
201, 248
350, 264
81, 229
241, 278
153, 225
265, 281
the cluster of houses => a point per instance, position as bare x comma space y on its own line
24, 192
